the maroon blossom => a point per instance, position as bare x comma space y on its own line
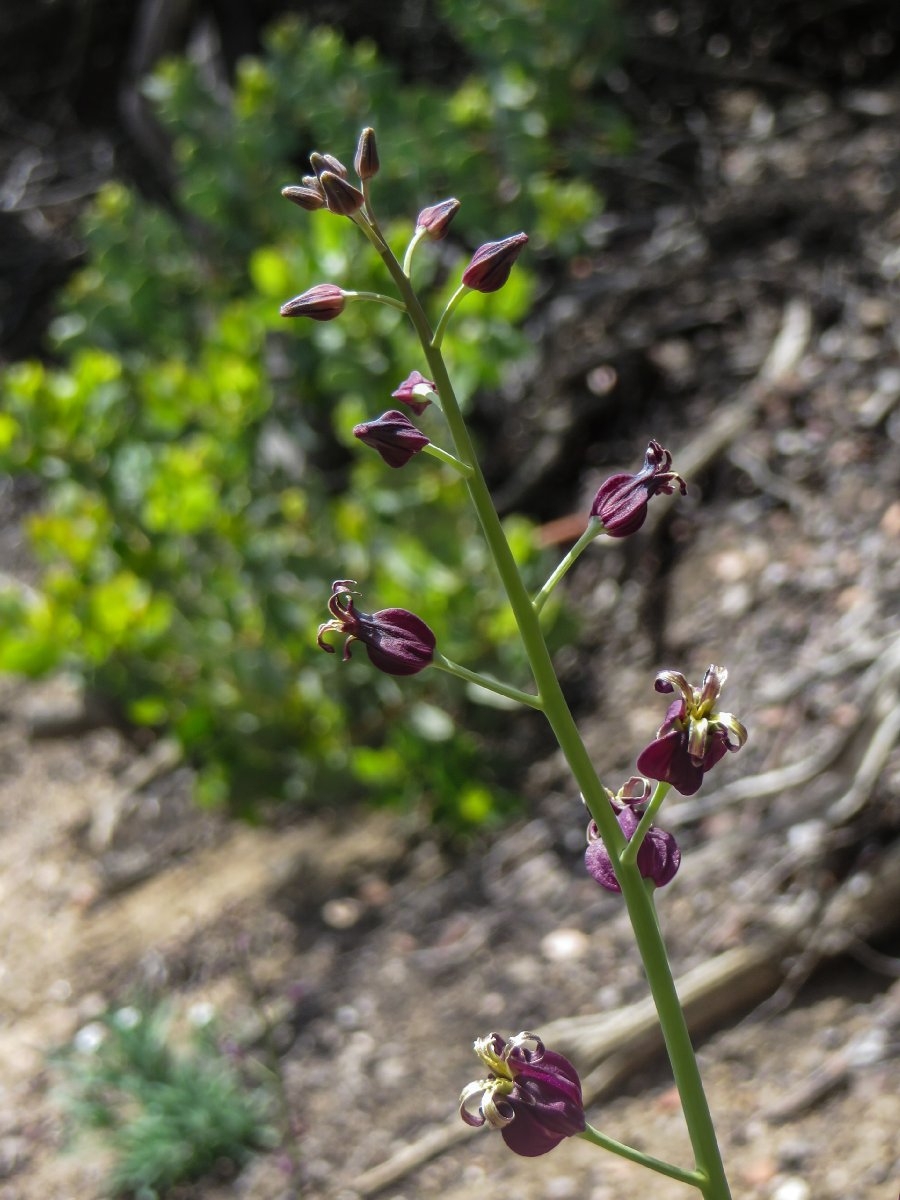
531, 1094
492, 263
435, 219
394, 437
658, 858
323, 302
398, 642
694, 736
621, 502
414, 390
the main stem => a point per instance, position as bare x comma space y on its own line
637, 899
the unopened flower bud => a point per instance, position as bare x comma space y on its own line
492, 263
394, 437
323, 302
341, 197
305, 197
366, 163
414, 390
621, 501
436, 219
327, 162
396, 641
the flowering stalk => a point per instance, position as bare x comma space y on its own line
532, 1094
638, 898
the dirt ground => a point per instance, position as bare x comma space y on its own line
740, 306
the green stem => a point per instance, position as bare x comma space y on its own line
486, 682
410, 249
439, 332
596, 1138
637, 900
378, 297
630, 853
450, 459
594, 529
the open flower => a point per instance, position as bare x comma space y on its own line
621, 502
658, 858
532, 1095
398, 642
394, 437
694, 735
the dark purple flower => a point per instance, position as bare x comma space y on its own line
397, 641
621, 502
414, 392
492, 263
435, 219
658, 858
694, 736
394, 437
532, 1095
323, 302
365, 162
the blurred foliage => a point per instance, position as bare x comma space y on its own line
201, 489
168, 1113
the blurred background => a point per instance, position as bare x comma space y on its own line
234, 865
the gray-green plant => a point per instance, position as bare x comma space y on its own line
167, 1111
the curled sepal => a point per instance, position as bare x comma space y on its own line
694, 735
396, 641
658, 858
491, 263
394, 437
416, 391
531, 1094
621, 501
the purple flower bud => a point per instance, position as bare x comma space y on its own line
394, 437
323, 302
436, 219
396, 641
342, 197
658, 858
532, 1095
492, 263
327, 162
693, 737
621, 502
306, 197
366, 163
414, 392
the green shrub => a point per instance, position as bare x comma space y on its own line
201, 491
